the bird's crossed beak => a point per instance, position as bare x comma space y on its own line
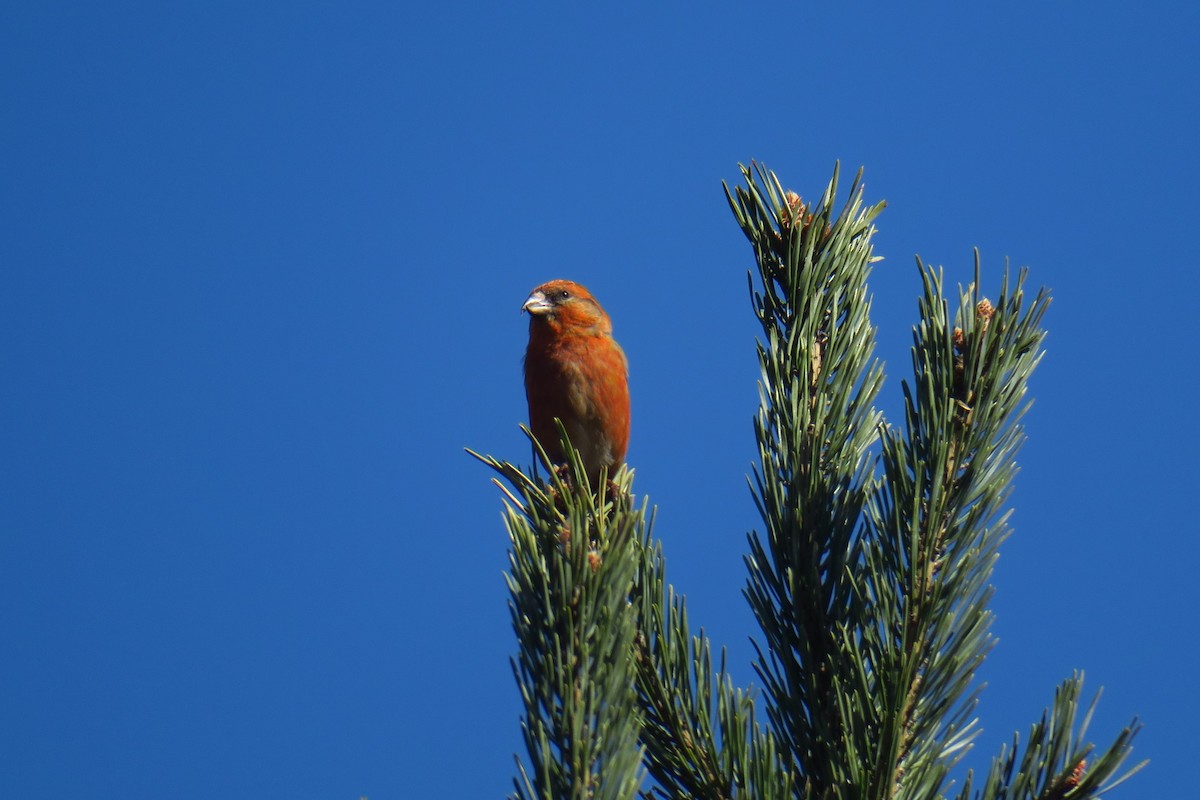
537, 304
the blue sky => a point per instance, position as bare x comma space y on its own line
262, 265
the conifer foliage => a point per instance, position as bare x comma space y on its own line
869, 577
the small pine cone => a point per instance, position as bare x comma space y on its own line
794, 209
959, 339
1076, 774
594, 560
985, 310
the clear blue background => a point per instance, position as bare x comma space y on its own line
261, 269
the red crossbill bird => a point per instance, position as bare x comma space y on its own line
575, 371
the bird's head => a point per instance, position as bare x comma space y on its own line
565, 305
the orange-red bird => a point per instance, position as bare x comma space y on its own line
575, 371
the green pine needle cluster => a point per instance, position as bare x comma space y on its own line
869, 577
572, 572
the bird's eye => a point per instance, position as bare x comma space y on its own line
564, 295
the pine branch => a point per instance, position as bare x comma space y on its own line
934, 526
1058, 763
815, 426
572, 568
699, 731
